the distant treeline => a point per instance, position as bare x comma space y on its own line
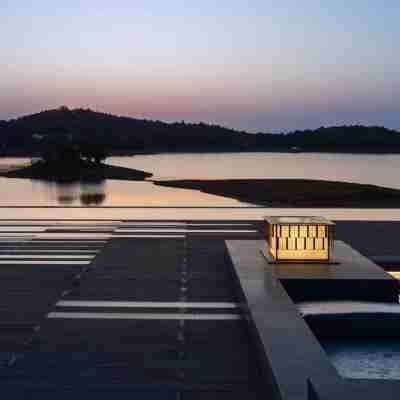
27, 135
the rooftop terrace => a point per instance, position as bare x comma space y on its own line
149, 308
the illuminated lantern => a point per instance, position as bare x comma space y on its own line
299, 239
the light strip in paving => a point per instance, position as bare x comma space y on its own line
61, 235
143, 316
217, 224
83, 226
15, 236
65, 251
43, 262
65, 247
143, 304
44, 256
149, 236
21, 229
184, 230
71, 242
139, 223
80, 229
150, 229
12, 240
18, 246
221, 231
21, 235
39, 222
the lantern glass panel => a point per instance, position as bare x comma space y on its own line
299, 239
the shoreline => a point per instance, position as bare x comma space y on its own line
284, 150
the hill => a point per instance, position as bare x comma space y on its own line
28, 134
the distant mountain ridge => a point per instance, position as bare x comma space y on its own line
26, 135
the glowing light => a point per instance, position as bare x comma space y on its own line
299, 239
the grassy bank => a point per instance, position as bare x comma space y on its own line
295, 192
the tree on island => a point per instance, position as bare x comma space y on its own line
75, 154
63, 159
93, 152
70, 155
62, 154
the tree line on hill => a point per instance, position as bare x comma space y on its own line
32, 134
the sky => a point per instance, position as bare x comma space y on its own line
259, 65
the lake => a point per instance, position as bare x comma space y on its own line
375, 169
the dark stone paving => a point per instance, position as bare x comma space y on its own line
371, 238
209, 271
154, 359
28, 291
134, 270
146, 359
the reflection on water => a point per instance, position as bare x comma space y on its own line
22, 192
90, 199
9, 164
363, 168
78, 193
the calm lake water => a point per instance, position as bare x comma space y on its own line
373, 169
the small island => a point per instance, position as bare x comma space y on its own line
300, 193
71, 163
